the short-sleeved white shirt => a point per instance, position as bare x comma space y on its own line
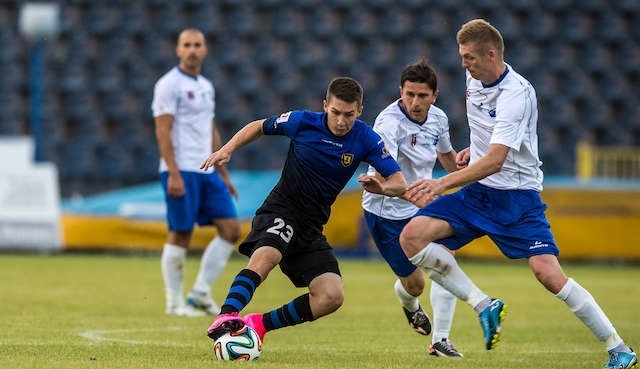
506, 112
414, 146
191, 101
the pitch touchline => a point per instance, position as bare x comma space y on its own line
100, 335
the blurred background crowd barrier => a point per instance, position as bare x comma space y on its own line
270, 56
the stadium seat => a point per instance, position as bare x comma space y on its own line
135, 19
432, 25
363, 22
207, 18
576, 27
398, 23
557, 6
168, 20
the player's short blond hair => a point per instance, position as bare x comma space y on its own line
483, 34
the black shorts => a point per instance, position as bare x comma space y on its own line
306, 253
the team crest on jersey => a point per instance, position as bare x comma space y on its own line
346, 159
414, 139
190, 95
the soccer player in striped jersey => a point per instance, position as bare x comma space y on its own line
183, 107
500, 197
416, 133
325, 150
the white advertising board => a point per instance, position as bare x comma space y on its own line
29, 201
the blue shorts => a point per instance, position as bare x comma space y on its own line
513, 219
386, 235
206, 198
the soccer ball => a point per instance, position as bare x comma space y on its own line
241, 345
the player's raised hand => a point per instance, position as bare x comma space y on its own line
220, 157
463, 158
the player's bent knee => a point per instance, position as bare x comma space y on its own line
411, 239
334, 299
230, 233
548, 272
326, 294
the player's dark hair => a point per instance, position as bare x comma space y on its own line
346, 89
420, 72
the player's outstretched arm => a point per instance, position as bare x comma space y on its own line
246, 135
428, 189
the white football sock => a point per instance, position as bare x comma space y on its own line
408, 302
444, 305
442, 268
172, 265
585, 307
214, 259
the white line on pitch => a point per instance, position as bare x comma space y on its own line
100, 335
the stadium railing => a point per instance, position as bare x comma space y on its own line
607, 162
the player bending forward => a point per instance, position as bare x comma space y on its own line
325, 150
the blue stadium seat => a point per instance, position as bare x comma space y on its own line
610, 26
557, 6
324, 22
168, 20
289, 22
540, 26
78, 159
362, 24
399, 23
244, 21
432, 25
379, 53
135, 19
207, 18
114, 160
102, 19
576, 27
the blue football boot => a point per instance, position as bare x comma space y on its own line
622, 360
490, 319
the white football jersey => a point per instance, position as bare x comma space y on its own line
191, 101
414, 146
506, 112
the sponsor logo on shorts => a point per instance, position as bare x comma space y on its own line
538, 244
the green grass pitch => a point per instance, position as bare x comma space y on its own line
101, 311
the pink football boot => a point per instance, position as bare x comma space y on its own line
224, 323
255, 321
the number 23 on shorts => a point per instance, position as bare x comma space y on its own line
277, 228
